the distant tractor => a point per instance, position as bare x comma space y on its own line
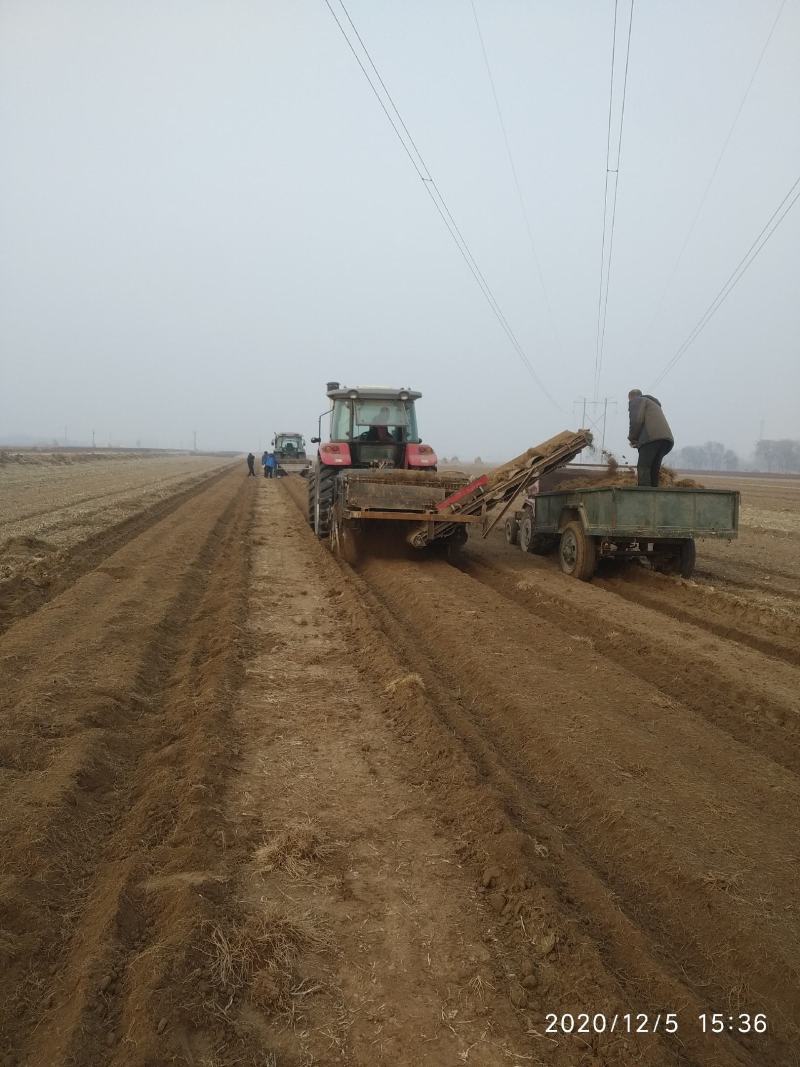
290, 452
370, 429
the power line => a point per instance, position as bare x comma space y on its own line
710, 182
431, 188
777, 217
602, 299
605, 196
515, 176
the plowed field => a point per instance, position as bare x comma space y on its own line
259, 807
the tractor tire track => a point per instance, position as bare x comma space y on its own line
583, 743
730, 694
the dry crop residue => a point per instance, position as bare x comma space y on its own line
59, 520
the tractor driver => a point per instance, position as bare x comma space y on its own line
379, 428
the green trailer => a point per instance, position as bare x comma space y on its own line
623, 522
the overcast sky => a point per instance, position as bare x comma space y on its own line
205, 215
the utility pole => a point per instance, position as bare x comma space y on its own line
194, 433
92, 440
606, 401
597, 421
584, 424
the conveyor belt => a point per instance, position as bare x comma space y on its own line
500, 486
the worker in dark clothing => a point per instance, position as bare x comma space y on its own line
251, 465
265, 463
650, 433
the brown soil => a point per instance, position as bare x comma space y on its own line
262, 808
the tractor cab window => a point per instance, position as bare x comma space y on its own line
380, 421
384, 421
288, 444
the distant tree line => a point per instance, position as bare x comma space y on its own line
777, 456
773, 457
712, 456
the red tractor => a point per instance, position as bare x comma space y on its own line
370, 428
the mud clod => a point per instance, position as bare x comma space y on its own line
490, 877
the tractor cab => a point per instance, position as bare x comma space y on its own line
371, 427
290, 445
374, 427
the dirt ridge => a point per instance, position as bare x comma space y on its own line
79, 962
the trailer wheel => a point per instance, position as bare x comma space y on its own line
512, 531
686, 560
525, 537
324, 484
535, 543
577, 552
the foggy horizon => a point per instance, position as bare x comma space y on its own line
205, 216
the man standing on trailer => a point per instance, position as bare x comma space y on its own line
650, 433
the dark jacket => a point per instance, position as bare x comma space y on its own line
647, 421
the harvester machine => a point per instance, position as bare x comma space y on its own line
376, 469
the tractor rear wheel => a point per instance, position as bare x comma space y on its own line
577, 552
512, 531
324, 483
312, 491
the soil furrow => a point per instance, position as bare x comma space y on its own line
623, 808
26, 592
769, 724
126, 730
782, 645
531, 876
474, 689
